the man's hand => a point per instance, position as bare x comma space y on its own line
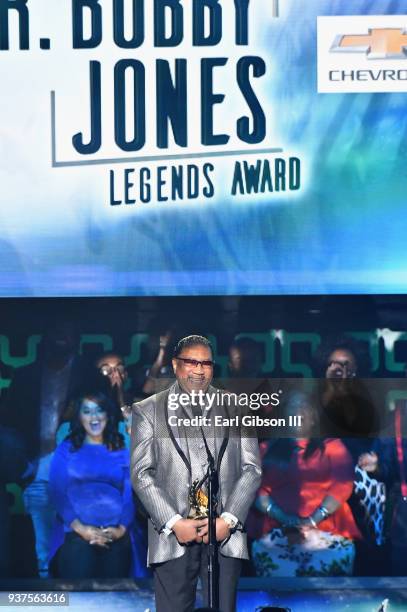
222, 531
368, 462
190, 530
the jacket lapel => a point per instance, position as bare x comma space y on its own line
221, 434
178, 438
175, 432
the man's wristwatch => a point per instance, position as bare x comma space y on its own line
230, 522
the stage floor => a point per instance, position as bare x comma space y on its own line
298, 595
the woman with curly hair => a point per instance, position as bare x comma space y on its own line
91, 490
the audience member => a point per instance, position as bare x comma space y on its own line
387, 461
12, 465
112, 368
162, 365
35, 407
304, 524
245, 358
348, 411
92, 495
246, 377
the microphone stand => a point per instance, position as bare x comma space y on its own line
213, 488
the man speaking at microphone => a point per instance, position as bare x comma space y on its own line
168, 467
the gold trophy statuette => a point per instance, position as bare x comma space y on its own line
198, 500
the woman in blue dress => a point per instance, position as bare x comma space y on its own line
90, 488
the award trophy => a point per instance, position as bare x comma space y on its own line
198, 500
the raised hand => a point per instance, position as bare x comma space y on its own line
368, 461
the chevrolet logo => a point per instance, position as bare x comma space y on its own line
379, 43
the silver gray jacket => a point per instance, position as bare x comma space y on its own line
160, 473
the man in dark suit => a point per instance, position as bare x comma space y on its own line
168, 456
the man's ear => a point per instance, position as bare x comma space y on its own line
174, 365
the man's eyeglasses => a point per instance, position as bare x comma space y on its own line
108, 370
194, 363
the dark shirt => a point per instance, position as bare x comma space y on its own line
13, 460
389, 468
12, 465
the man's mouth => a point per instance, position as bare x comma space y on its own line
196, 380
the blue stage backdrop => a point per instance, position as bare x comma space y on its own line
192, 147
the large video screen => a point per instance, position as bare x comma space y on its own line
192, 147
